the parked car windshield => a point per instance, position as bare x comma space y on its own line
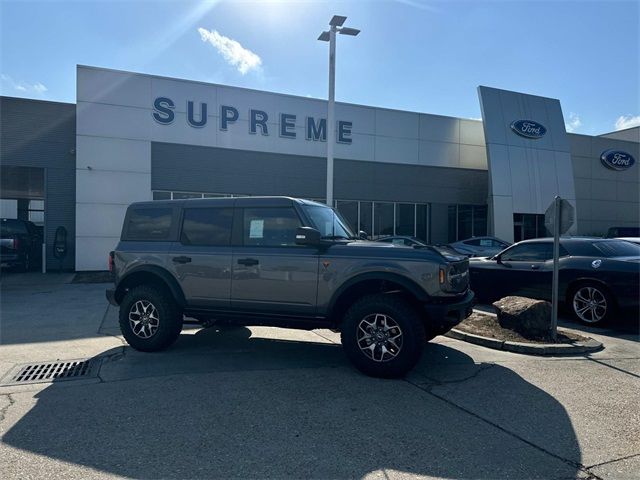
617, 248
328, 222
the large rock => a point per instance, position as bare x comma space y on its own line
530, 318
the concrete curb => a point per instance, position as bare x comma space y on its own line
577, 348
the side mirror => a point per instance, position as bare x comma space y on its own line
307, 236
498, 259
362, 235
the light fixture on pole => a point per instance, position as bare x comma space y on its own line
330, 36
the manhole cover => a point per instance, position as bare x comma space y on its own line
52, 371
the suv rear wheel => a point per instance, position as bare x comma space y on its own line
383, 335
149, 318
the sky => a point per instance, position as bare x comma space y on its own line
422, 56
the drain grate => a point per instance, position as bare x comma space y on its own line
52, 372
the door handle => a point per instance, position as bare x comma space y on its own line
535, 267
248, 261
181, 259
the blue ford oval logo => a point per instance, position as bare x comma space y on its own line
528, 128
617, 160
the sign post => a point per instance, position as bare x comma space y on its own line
557, 205
558, 219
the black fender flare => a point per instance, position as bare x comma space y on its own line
167, 278
408, 284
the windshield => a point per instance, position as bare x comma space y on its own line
617, 248
328, 222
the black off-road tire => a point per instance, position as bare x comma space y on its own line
404, 315
169, 318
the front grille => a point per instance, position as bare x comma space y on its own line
459, 276
52, 372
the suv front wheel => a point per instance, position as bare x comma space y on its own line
383, 335
149, 318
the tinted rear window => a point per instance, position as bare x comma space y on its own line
12, 227
207, 226
149, 224
617, 248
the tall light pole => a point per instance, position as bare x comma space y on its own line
335, 27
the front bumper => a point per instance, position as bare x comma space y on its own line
445, 316
111, 296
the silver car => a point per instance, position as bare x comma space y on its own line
480, 246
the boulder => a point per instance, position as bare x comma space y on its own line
530, 318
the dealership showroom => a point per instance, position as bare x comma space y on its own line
133, 137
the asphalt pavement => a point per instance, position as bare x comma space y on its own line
235, 402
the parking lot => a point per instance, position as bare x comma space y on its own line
275, 403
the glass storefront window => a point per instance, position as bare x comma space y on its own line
528, 225
349, 211
383, 219
422, 222
479, 220
405, 219
366, 218
185, 195
453, 223
162, 195
465, 222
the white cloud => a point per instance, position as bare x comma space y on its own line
574, 123
232, 51
19, 86
627, 121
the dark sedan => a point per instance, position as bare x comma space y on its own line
597, 276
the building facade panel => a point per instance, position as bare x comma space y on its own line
137, 137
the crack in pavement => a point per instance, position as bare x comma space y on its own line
4, 410
100, 332
326, 338
436, 383
428, 390
615, 368
615, 460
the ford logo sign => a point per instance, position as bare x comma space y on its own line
617, 160
528, 128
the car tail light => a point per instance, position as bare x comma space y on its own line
111, 262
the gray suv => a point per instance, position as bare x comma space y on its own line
282, 262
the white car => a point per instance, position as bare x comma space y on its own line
480, 246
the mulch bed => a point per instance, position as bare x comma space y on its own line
488, 326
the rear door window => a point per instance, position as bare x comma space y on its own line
149, 224
271, 227
207, 226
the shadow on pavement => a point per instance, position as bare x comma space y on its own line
266, 408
